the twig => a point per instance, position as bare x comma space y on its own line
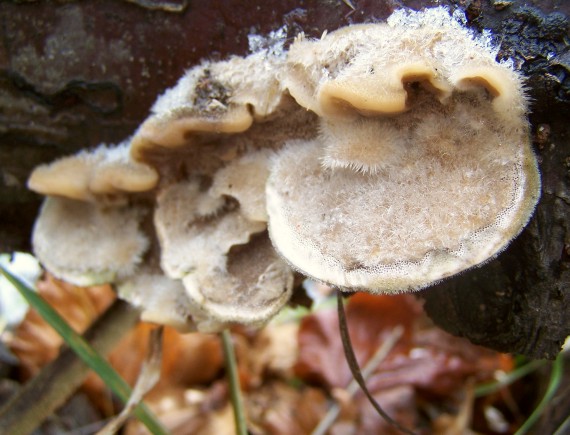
44, 394
355, 368
373, 362
84, 350
233, 380
148, 377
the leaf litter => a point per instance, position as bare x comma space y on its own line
292, 371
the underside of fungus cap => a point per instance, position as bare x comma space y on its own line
253, 285
423, 165
194, 229
244, 179
449, 193
105, 171
227, 264
87, 243
162, 300
211, 99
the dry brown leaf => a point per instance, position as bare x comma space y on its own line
273, 353
439, 364
188, 360
398, 402
426, 365
34, 342
370, 320
280, 409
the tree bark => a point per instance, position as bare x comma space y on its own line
75, 74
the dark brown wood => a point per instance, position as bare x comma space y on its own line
519, 302
75, 74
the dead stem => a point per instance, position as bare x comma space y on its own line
355, 368
57, 381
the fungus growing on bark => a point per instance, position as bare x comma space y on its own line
209, 229
382, 157
423, 167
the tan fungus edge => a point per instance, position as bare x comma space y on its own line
85, 176
162, 132
68, 177
377, 94
498, 82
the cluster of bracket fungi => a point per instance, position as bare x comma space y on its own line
381, 157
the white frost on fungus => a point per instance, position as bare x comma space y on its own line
405, 184
366, 68
90, 174
87, 243
212, 98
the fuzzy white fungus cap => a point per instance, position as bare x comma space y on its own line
423, 166
229, 276
250, 288
88, 243
192, 234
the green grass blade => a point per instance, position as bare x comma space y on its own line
82, 348
233, 380
553, 384
508, 379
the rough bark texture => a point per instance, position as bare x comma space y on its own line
75, 74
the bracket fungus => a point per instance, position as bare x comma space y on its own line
382, 157
104, 172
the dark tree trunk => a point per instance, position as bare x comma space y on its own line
75, 74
